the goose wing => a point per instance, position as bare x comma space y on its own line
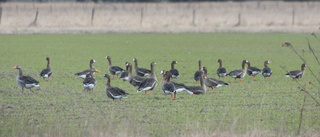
294, 73
236, 73
266, 71
168, 88
46, 71
115, 70
125, 76
143, 72
136, 80
28, 80
174, 73
147, 84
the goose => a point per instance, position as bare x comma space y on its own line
179, 87
142, 72
89, 83
239, 73
221, 71
84, 73
174, 72
266, 71
125, 74
134, 80
25, 81
252, 71
114, 92
212, 82
297, 74
114, 70
149, 83
167, 87
197, 90
198, 73
46, 73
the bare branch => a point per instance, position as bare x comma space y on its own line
288, 44
318, 104
312, 51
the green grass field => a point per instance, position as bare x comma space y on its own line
250, 108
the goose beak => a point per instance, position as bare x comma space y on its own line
15, 67
97, 70
106, 57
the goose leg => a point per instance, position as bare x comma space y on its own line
92, 91
117, 76
22, 91
151, 93
48, 79
165, 96
212, 89
269, 78
235, 80
120, 99
175, 95
145, 92
31, 91
171, 96
43, 79
113, 77
83, 91
240, 80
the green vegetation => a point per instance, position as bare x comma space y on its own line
59, 108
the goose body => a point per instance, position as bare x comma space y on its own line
252, 71
25, 81
89, 83
197, 75
142, 72
212, 82
114, 92
297, 74
238, 73
221, 71
114, 70
84, 73
149, 83
196, 90
266, 71
167, 87
179, 87
125, 74
134, 80
46, 73
174, 72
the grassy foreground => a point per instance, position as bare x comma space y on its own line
59, 108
